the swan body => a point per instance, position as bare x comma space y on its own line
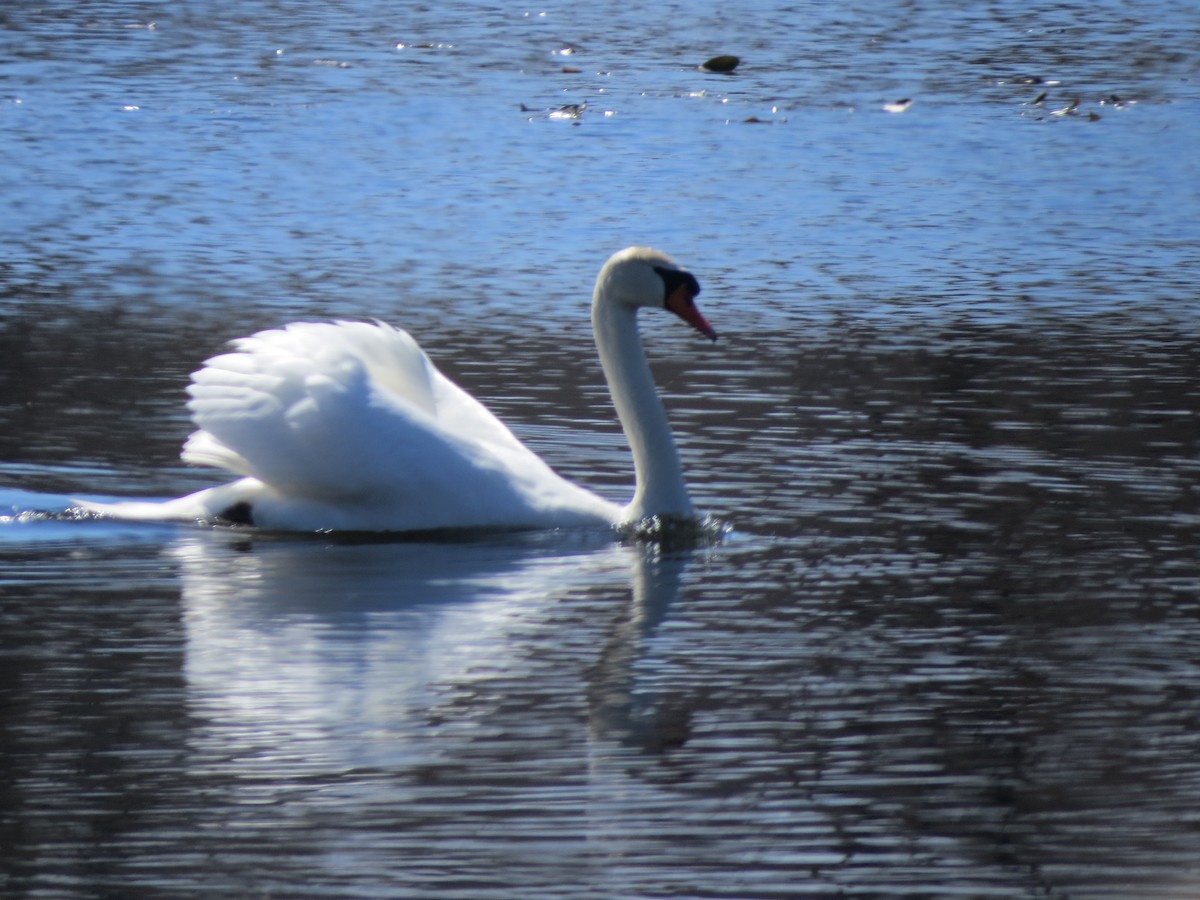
350, 426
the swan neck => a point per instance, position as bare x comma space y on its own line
660, 489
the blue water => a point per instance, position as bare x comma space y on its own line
948, 650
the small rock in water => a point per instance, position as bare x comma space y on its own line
722, 64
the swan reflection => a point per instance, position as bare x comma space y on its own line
336, 656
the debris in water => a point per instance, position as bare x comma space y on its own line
570, 111
721, 64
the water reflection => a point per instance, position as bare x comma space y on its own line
336, 656
435, 692
495, 714
619, 707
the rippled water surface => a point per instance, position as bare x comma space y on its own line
951, 647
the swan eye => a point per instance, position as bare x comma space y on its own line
674, 279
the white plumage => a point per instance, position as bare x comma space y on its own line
350, 426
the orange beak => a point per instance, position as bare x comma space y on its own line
682, 302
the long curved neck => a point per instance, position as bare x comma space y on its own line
660, 489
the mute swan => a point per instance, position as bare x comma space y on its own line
350, 426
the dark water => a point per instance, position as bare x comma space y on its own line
952, 647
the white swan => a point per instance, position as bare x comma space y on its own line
349, 426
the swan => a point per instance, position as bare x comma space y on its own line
348, 426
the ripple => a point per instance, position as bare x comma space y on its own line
947, 648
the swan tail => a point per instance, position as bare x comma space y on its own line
202, 506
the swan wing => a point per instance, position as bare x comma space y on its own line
355, 418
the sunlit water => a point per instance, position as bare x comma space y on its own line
950, 648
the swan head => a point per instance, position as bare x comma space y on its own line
644, 277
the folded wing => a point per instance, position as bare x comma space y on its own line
355, 414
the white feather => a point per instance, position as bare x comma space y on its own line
350, 426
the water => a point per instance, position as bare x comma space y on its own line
949, 649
